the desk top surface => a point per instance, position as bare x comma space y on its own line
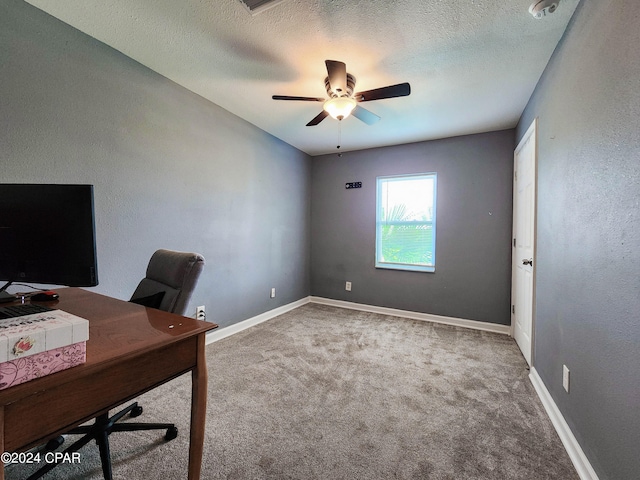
118, 330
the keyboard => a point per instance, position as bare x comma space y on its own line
13, 311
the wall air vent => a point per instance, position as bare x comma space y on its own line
257, 6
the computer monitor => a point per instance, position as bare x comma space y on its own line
47, 235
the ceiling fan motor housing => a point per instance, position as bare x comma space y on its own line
351, 85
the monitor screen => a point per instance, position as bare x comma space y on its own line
47, 234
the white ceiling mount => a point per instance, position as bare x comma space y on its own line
541, 8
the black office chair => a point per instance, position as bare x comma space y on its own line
170, 280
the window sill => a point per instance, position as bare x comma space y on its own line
409, 268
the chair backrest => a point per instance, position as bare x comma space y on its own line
170, 280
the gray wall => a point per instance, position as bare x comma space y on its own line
170, 169
588, 258
473, 231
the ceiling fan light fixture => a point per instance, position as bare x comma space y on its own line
339, 107
343, 101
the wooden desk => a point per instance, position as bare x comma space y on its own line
131, 350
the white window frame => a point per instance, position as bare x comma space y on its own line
417, 267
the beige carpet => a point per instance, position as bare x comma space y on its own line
328, 393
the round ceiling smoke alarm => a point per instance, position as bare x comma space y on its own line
541, 8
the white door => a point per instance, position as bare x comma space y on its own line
523, 242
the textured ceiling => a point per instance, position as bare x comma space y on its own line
472, 64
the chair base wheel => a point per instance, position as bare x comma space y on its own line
136, 412
54, 443
172, 433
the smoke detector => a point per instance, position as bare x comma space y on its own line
541, 8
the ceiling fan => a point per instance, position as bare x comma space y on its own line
342, 101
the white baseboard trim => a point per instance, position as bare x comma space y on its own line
458, 322
571, 445
225, 332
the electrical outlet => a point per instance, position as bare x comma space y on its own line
200, 314
347, 286
273, 292
565, 378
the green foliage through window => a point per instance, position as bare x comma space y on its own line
405, 222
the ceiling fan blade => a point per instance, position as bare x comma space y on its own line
337, 76
392, 91
318, 118
365, 115
305, 99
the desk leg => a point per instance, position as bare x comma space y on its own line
1, 440
198, 410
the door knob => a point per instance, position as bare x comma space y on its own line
527, 262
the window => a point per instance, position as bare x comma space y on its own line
406, 222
